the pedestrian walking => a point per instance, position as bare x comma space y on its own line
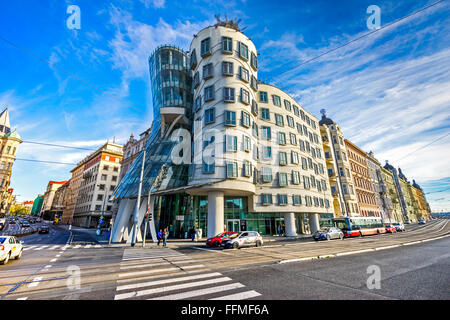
160, 236
193, 233
165, 235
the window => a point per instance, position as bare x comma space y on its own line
227, 45
294, 157
316, 201
103, 177
281, 138
265, 114
282, 199
227, 68
297, 199
228, 94
283, 158
254, 83
209, 93
263, 97
244, 74
276, 100
101, 187
293, 139
230, 118
210, 115
302, 145
105, 167
266, 133
116, 169
208, 167
282, 179
205, 47
304, 164
254, 61
198, 103
106, 157
308, 201
247, 168
295, 177
193, 59
267, 153
98, 207
287, 105
313, 181
243, 51
99, 197
196, 80
245, 96
247, 144
208, 71
306, 183
245, 119
114, 178
231, 143
255, 129
111, 188
296, 110
279, 120
254, 107
310, 163
266, 199
290, 121
232, 170
266, 174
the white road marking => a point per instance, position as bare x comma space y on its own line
35, 282
137, 273
53, 260
201, 292
24, 298
170, 288
40, 248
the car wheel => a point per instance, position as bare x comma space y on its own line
328, 237
19, 255
6, 259
216, 243
236, 245
341, 236
258, 243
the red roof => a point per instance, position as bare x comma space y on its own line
57, 182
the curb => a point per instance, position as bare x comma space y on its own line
346, 253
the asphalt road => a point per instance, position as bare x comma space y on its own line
409, 268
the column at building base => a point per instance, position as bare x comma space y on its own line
215, 213
289, 221
314, 222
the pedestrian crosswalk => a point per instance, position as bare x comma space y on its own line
165, 274
60, 247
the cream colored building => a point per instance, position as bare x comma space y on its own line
48, 211
72, 193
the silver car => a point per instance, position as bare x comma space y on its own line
243, 239
328, 233
399, 226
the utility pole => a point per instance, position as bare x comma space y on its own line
138, 202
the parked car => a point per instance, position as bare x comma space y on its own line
10, 248
26, 224
328, 233
399, 226
243, 239
217, 240
43, 229
407, 221
390, 228
421, 221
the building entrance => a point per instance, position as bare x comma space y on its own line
233, 225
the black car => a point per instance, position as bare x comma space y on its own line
43, 229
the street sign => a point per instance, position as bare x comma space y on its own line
100, 221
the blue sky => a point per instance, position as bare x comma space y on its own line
390, 92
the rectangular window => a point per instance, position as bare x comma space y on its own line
266, 199
230, 118
310, 163
302, 145
279, 120
193, 59
208, 168
208, 71
209, 93
265, 114
282, 199
313, 182
227, 68
255, 129
244, 74
295, 177
297, 199
231, 143
232, 170
254, 61
196, 80
210, 115
254, 107
282, 179
304, 164
245, 119
243, 51
276, 100
267, 153
266, 133
306, 183
296, 110
254, 83
205, 47
293, 139
247, 168
266, 174
290, 121
283, 158
281, 138
287, 105
228, 94
245, 96
263, 97
247, 144
227, 45
294, 157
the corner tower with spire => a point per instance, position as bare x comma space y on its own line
9, 142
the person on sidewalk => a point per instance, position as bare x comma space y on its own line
160, 236
165, 235
193, 233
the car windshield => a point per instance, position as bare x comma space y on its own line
234, 235
396, 224
324, 230
2, 239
